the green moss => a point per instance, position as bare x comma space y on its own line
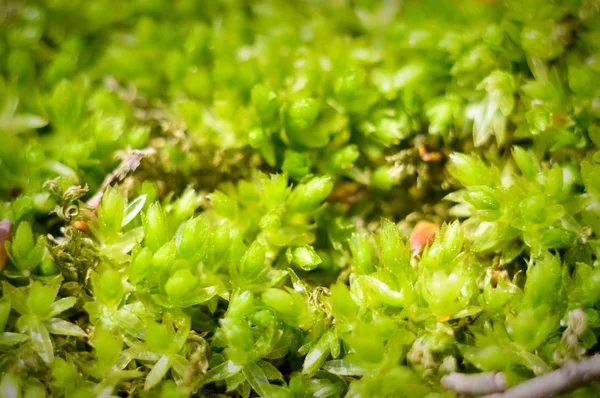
204, 198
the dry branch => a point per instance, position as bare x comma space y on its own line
129, 163
570, 376
475, 384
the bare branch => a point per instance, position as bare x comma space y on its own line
475, 384
569, 377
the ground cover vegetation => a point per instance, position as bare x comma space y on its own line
345, 198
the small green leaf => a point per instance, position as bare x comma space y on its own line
40, 299
62, 327
270, 371
222, 371
342, 304
500, 86
133, 209
8, 339
360, 247
252, 265
256, 377
108, 347
526, 162
308, 196
23, 123
141, 265
470, 170
342, 367
4, 311
111, 211
109, 289
296, 164
158, 337
318, 354
60, 306
192, 236
10, 386
40, 338
180, 284
158, 372
155, 227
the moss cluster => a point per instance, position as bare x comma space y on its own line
296, 198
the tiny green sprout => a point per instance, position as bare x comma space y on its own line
395, 254
500, 86
343, 305
142, 266
170, 390
305, 257
319, 353
180, 284
253, 266
109, 287
308, 196
344, 158
296, 164
224, 205
158, 337
108, 347
291, 306
302, 114
257, 138
108, 309
390, 131
526, 162
360, 247
163, 346
24, 251
111, 212
215, 250
183, 208
149, 190
39, 309
115, 214
8, 339
347, 86
470, 170
155, 227
192, 237
265, 102
386, 177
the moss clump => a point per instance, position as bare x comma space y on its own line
296, 199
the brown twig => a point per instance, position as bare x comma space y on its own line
475, 384
130, 161
570, 376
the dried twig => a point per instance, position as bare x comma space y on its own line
130, 161
475, 384
570, 376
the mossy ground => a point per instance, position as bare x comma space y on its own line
296, 199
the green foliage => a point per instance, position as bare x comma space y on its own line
217, 198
